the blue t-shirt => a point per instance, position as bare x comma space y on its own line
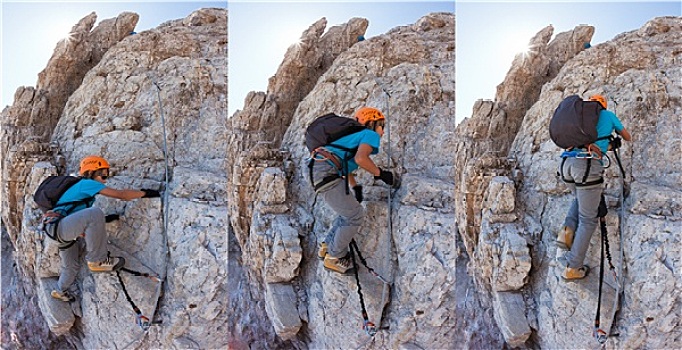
85, 189
354, 141
608, 122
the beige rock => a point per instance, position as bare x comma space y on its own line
409, 74
511, 318
637, 72
98, 95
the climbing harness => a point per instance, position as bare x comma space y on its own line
602, 335
367, 326
321, 154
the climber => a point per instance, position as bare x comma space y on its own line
334, 249
77, 218
585, 181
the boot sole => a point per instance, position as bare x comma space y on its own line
347, 273
562, 245
118, 266
587, 272
68, 300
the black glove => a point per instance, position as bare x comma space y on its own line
358, 193
111, 217
150, 193
385, 176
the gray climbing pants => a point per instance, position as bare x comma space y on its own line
582, 215
90, 223
350, 214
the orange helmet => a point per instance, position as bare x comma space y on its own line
600, 99
92, 163
365, 115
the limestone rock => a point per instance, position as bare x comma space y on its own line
29, 122
114, 90
280, 302
57, 313
18, 297
637, 72
510, 318
409, 74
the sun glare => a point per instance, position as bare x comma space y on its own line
289, 37
517, 44
59, 32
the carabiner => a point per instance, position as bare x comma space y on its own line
369, 328
601, 336
584, 155
143, 322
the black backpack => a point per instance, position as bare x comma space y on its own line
328, 128
51, 190
574, 123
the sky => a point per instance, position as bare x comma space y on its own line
32, 29
261, 32
490, 34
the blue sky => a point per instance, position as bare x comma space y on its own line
31, 30
261, 32
489, 35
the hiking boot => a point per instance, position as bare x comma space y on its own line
322, 252
63, 296
343, 265
565, 238
110, 264
575, 274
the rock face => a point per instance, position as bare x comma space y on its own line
409, 74
125, 97
510, 203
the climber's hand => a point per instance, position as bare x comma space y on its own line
387, 177
150, 193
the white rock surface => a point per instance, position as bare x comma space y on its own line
639, 73
409, 74
111, 108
